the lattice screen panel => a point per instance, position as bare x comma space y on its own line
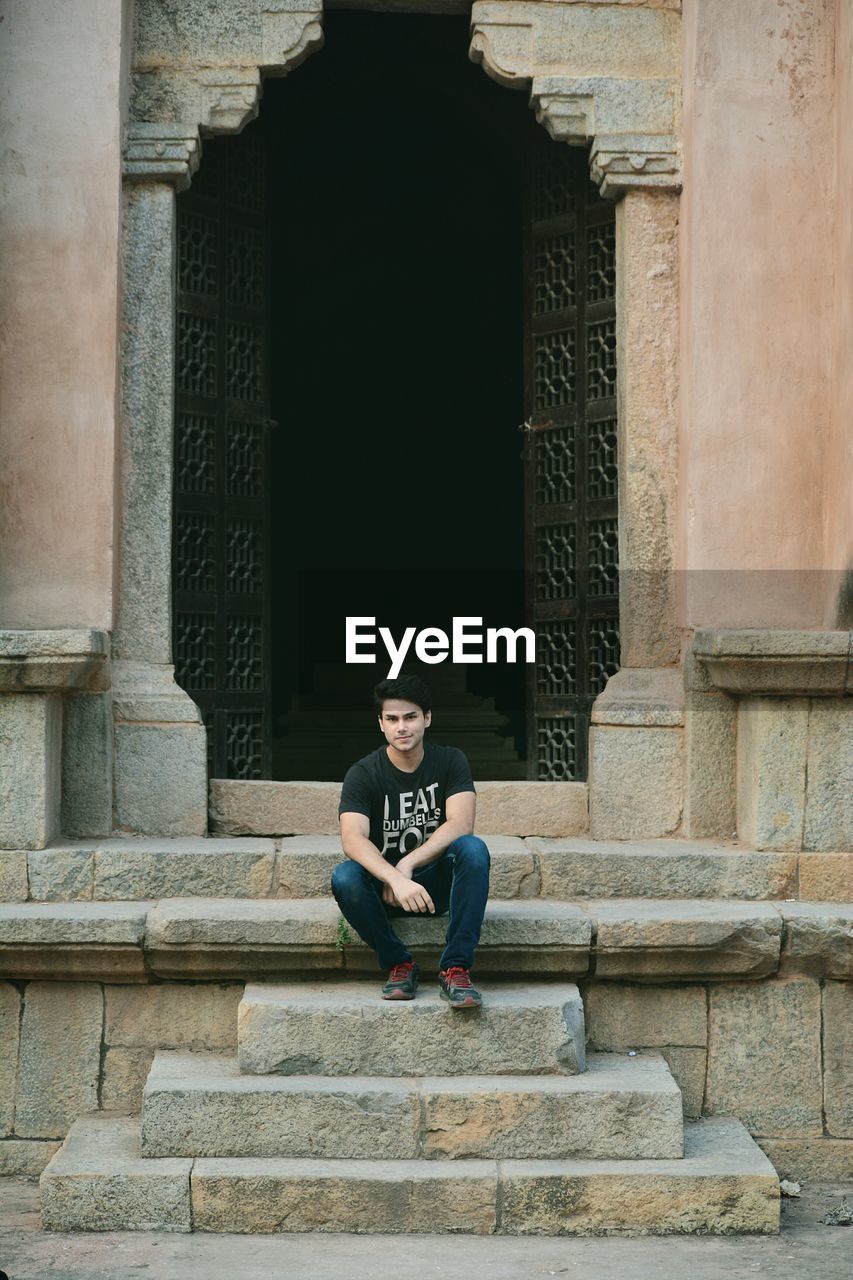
570, 454
221, 540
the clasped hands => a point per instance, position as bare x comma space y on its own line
407, 893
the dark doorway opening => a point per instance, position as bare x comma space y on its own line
395, 173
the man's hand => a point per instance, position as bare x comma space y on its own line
409, 895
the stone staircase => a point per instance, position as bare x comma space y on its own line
337, 1111
341, 1112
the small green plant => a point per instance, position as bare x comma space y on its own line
343, 936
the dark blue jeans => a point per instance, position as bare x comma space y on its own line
457, 881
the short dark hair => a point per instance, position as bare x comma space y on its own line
407, 689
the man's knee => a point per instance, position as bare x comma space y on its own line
349, 879
472, 851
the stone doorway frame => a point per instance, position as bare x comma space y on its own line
600, 74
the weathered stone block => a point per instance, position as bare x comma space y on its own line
387, 1196
62, 874
710, 788
169, 1016
200, 1105
13, 875
10, 1011
161, 779
838, 1058
98, 1181
620, 1108
689, 1067
818, 939
87, 765
533, 808
60, 1056
30, 729
628, 1017
635, 782
24, 1157
826, 877
342, 1029
764, 1056
829, 788
273, 808
723, 1185
188, 867
123, 1079
656, 940
661, 869
812, 1159
771, 784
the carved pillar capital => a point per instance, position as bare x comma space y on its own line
619, 162
161, 153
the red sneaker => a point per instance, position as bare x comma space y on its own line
456, 987
402, 982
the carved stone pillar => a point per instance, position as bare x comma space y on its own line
160, 743
607, 76
198, 73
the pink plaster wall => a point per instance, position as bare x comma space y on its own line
839, 456
758, 222
60, 95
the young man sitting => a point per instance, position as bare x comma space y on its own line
407, 821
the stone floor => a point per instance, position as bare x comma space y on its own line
806, 1248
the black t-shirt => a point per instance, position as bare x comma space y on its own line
404, 808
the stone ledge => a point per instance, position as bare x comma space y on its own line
52, 661
79, 941
723, 1185
653, 940
776, 662
818, 939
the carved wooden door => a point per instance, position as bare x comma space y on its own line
570, 454
221, 601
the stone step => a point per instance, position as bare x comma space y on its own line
134, 869
345, 1029
99, 1181
259, 808
238, 938
619, 1108
581, 868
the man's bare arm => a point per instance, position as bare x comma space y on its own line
356, 842
461, 810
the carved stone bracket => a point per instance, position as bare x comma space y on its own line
161, 152
597, 72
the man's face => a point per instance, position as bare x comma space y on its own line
403, 724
